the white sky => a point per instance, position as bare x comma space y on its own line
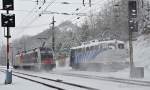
29, 23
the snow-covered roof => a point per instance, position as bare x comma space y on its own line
97, 42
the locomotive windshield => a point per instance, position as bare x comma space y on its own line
121, 46
111, 46
46, 54
45, 50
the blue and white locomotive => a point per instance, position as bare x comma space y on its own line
99, 55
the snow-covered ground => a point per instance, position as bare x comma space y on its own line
101, 85
98, 84
142, 52
20, 84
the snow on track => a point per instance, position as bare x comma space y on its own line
21, 84
112, 79
95, 83
53, 83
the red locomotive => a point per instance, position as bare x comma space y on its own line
40, 58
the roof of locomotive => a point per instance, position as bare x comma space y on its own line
97, 42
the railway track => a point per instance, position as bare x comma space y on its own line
112, 79
52, 83
45, 84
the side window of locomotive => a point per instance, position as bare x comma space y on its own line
79, 50
96, 47
84, 50
111, 46
72, 51
44, 54
104, 45
91, 48
87, 48
75, 51
100, 46
121, 46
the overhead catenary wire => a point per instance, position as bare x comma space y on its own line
35, 18
85, 8
29, 24
27, 15
73, 14
50, 4
30, 12
42, 11
96, 3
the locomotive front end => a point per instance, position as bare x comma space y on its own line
47, 61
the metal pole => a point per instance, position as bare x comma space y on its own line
8, 36
53, 35
148, 5
12, 56
90, 3
8, 72
7, 55
83, 3
24, 44
131, 30
131, 49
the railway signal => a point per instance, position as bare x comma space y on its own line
8, 20
90, 3
132, 9
8, 4
83, 3
133, 27
133, 24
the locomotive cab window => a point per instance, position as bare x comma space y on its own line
111, 46
121, 46
79, 50
87, 48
